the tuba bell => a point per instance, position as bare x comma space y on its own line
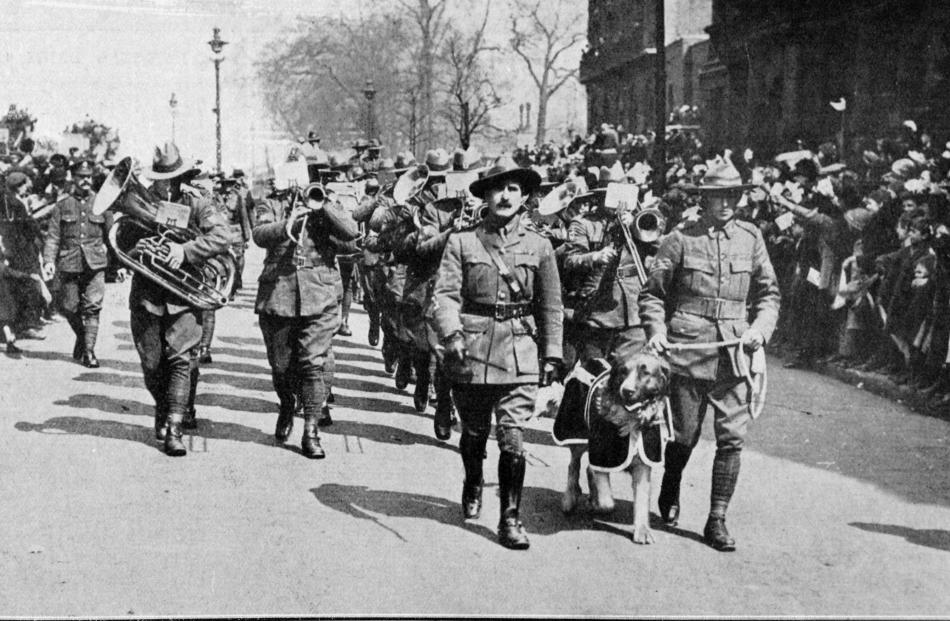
410, 187
206, 286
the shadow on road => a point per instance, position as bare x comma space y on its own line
929, 537
112, 379
384, 434
255, 341
107, 404
236, 403
356, 500
113, 430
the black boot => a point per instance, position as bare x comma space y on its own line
373, 336
420, 395
174, 447
511, 533
190, 421
208, 320
725, 474
325, 419
75, 323
285, 423
310, 444
472, 449
161, 424
444, 409
90, 332
403, 372
669, 501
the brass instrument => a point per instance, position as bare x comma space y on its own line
472, 214
312, 192
207, 286
410, 186
649, 224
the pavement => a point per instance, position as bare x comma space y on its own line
843, 505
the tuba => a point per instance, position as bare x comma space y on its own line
207, 286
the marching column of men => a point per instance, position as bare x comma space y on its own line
471, 306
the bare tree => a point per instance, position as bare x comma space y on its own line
542, 35
431, 21
472, 95
315, 78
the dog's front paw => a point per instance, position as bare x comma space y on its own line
642, 535
570, 499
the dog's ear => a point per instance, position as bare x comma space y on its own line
618, 373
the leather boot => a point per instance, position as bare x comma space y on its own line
161, 424
208, 320
373, 336
725, 475
174, 447
669, 501
190, 421
403, 372
716, 535
325, 419
285, 423
511, 533
420, 395
444, 409
471, 448
90, 332
76, 324
310, 444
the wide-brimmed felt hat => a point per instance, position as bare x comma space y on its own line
313, 136
404, 161
722, 178
167, 163
438, 162
360, 144
503, 169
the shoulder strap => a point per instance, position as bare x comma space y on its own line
517, 287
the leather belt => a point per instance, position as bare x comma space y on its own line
627, 272
499, 312
713, 308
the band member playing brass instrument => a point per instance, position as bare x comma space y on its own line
298, 298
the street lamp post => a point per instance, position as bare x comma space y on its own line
217, 45
370, 93
173, 105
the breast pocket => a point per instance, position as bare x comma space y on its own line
69, 224
698, 270
740, 269
526, 266
480, 279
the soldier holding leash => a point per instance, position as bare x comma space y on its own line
714, 281
498, 313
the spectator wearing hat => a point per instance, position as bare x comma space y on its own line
75, 248
22, 237
703, 282
166, 330
498, 313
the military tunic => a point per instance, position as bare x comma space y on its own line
709, 284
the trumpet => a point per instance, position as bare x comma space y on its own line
313, 192
472, 214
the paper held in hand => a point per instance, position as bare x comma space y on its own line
174, 215
618, 193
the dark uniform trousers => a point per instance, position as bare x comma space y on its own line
706, 284
298, 297
75, 244
165, 329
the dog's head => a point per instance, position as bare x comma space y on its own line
641, 377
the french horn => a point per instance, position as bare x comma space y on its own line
206, 286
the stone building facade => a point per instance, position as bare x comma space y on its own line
774, 66
618, 67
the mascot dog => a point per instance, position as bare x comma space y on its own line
621, 417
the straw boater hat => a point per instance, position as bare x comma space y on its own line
722, 178
168, 164
502, 170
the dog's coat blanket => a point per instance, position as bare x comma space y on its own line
581, 420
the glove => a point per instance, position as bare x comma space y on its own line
550, 371
455, 350
752, 339
659, 343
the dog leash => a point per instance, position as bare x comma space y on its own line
756, 405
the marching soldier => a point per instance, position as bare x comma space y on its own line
298, 297
165, 329
498, 312
714, 281
75, 247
